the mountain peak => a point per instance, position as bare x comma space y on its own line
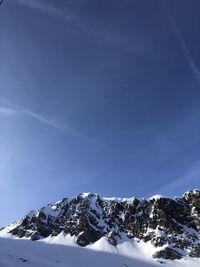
172, 226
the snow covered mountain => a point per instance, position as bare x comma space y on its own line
155, 230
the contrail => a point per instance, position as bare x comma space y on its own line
76, 23
191, 177
43, 7
15, 109
7, 111
186, 51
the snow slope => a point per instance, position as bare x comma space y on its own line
92, 231
62, 251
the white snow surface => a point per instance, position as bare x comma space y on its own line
157, 197
62, 251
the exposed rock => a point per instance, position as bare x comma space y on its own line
195, 252
35, 236
174, 223
167, 253
193, 198
112, 237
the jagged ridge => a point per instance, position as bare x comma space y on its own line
173, 225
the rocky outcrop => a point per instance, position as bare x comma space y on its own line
171, 225
167, 253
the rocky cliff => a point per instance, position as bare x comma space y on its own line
171, 225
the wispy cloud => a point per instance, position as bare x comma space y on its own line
77, 23
51, 10
7, 111
66, 15
182, 43
189, 179
13, 109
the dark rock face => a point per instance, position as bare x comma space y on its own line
171, 225
167, 253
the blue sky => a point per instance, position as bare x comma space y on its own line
97, 96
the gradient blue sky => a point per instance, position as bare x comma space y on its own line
97, 96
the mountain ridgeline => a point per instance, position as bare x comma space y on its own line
171, 225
